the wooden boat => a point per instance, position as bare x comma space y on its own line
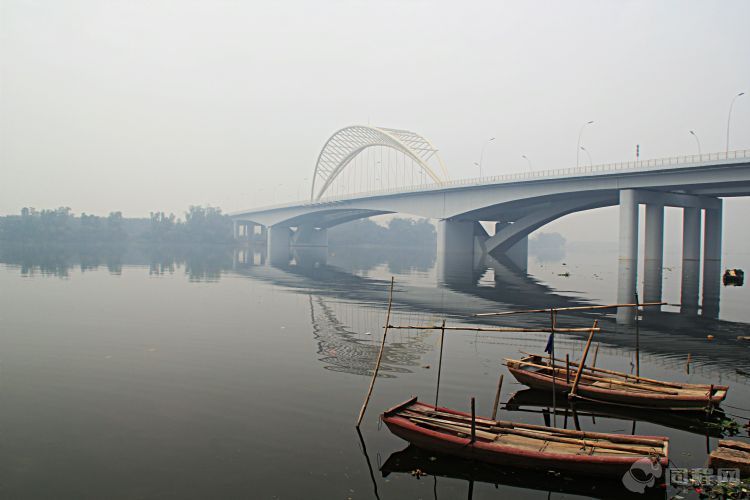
447, 431
608, 386
731, 454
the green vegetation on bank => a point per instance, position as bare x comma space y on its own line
199, 225
61, 225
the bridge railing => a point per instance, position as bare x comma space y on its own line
673, 161
607, 168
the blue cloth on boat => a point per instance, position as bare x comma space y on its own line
550, 344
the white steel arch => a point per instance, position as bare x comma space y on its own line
341, 148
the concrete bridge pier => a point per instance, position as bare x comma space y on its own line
279, 238
518, 254
654, 258
654, 248
247, 256
691, 254
309, 257
309, 236
458, 250
712, 260
628, 254
245, 230
462, 244
282, 240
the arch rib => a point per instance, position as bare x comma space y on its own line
341, 148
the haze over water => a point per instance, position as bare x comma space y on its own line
141, 375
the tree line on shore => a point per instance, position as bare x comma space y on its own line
61, 225
201, 225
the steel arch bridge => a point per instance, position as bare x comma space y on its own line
344, 145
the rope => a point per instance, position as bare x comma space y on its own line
736, 407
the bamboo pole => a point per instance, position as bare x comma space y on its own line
637, 341
564, 309
508, 329
440, 363
497, 396
593, 367
552, 356
582, 365
380, 356
567, 368
473, 421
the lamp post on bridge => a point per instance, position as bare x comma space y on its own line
481, 155
729, 116
591, 163
578, 149
529, 161
697, 141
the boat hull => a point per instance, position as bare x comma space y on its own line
501, 454
676, 402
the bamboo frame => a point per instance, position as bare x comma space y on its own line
507, 329
564, 309
582, 365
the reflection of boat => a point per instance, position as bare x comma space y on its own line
698, 423
443, 430
412, 459
608, 386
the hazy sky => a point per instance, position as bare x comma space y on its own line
154, 105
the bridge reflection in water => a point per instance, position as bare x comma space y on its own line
459, 287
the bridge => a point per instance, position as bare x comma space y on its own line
515, 204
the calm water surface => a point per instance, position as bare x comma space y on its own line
212, 374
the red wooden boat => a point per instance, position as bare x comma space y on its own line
447, 431
608, 386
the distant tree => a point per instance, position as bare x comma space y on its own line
399, 232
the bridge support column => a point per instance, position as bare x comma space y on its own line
712, 261
628, 262
279, 238
652, 268
518, 254
691, 253
309, 236
456, 251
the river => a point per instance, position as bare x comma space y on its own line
209, 373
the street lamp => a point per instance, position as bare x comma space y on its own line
481, 155
696, 140
729, 116
527, 159
591, 163
580, 133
